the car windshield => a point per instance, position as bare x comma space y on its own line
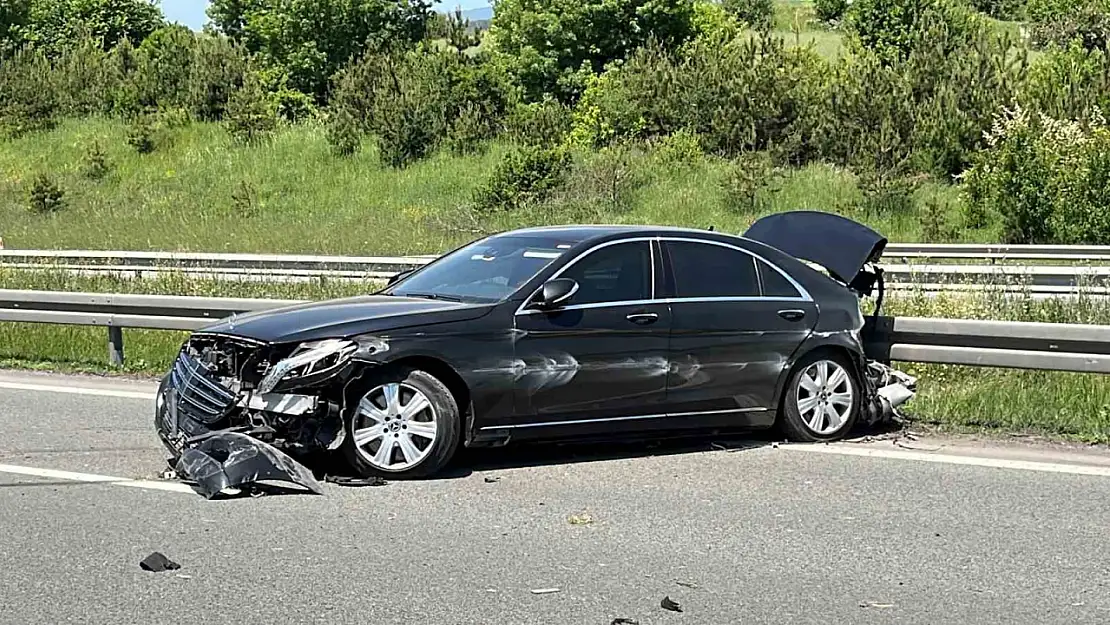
485, 271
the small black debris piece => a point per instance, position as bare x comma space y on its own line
624, 621
156, 562
667, 604
356, 481
491, 480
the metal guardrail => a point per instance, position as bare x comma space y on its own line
929, 276
1021, 345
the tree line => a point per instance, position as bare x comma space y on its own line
924, 89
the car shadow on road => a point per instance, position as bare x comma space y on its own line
521, 455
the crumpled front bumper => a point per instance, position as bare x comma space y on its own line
229, 460
216, 460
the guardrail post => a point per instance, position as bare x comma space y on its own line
115, 346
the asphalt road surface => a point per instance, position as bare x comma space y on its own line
861, 532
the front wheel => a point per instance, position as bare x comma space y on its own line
822, 398
405, 424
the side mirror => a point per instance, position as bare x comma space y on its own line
555, 293
398, 276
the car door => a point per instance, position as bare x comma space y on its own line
603, 354
736, 320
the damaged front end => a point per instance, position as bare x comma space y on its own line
231, 407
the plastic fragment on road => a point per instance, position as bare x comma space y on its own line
228, 460
492, 480
157, 562
668, 604
544, 591
623, 621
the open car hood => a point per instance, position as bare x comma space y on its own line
836, 243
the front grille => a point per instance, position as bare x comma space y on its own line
199, 393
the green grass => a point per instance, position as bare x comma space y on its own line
306, 200
1066, 405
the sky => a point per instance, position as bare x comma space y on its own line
191, 12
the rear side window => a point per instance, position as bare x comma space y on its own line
705, 270
774, 284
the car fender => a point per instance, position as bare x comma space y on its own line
843, 340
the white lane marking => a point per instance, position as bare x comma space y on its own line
76, 390
978, 461
53, 474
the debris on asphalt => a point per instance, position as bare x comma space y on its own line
687, 584
168, 474
667, 604
230, 459
544, 591
492, 480
623, 621
355, 481
583, 518
156, 563
872, 604
184, 576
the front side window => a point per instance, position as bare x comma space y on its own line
485, 271
707, 270
615, 273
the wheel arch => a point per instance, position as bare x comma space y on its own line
836, 344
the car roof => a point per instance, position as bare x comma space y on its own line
588, 232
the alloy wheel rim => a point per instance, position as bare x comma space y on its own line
395, 427
824, 397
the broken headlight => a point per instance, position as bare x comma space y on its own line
314, 360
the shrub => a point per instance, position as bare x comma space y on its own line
1046, 179
309, 41
30, 100
1068, 83
95, 165
544, 123
604, 182
553, 47
746, 182
343, 132
758, 14
885, 193
251, 113
411, 101
1062, 22
523, 178
736, 96
892, 29
936, 226
830, 11
244, 199
468, 131
143, 133
45, 195
679, 150
1000, 9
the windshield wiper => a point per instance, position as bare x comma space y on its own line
446, 298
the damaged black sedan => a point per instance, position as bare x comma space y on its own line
552, 333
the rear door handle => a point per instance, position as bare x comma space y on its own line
792, 314
643, 318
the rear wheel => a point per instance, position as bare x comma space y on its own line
405, 424
822, 398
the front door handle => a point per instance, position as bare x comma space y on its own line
792, 314
643, 318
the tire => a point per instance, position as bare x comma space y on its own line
805, 425
410, 454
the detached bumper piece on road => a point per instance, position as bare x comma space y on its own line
231, 460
